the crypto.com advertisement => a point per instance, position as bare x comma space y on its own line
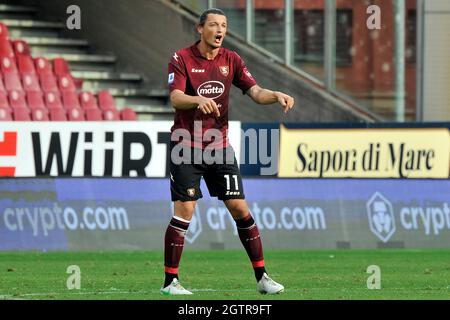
132, 214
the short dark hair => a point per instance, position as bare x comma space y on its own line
204, 15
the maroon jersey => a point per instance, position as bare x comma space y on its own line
193, 74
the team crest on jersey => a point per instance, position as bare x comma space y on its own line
191, 192
224, 70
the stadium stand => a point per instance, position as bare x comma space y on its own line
33, 31
39, 89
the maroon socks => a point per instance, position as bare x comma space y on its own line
251, 240
173, 247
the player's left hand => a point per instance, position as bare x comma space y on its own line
286, 102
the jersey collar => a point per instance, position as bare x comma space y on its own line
197, 53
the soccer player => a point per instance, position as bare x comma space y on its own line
200, 79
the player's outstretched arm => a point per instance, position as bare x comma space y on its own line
265, 96
182, 101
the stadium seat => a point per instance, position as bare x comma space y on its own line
6, 50
21, 114
66, 83
2, 87
61, 67
75, 114
58, 115
87, 100
43, 66
128, 114
25, 65
4, 35
8, 65
21, 48
5, 114
48, 83
35, 100
93, 115
17, 100
39, 114
106, 100
30, 83
53, 100
70, 100
4, 103
111, 115
12, 81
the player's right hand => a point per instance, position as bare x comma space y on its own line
208, 106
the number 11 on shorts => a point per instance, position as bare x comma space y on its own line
227, 178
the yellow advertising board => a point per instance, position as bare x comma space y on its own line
364, 153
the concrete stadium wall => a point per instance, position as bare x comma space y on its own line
436, 82
143, 34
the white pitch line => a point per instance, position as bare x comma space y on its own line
305, 290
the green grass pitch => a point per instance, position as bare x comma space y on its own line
227, 274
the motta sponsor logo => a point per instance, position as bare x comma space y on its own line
384, 216
211, 89
8, 152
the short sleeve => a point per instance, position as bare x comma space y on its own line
243, 79
177, 74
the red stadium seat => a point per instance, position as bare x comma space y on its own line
39, 114
21, 48
66, 83
5, 114
53, 100
4, 35
22, 114
75, 114
4, 103
106, 100
6, 49
25, 64
8, 65
12, 81
111, 115
30, 82
43, 66
128, 114
17, 100
2, 87
61, 67
87, 100
93, 115
70, 100
58, 115
35, 100
48, 83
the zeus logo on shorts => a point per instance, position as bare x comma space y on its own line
171, 77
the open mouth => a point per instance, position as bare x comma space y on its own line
218, 38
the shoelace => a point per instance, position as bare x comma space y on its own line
178, 286
271, 281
